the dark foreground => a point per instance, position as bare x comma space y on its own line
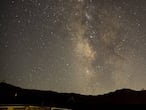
14, 95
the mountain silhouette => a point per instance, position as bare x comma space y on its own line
10, 94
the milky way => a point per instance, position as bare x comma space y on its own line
82, 46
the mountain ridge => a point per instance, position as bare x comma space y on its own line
10, 94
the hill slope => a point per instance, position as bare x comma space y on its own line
10, 94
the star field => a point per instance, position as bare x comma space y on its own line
81, 46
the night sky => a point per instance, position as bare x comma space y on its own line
81, 46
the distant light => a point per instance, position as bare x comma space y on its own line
16, 95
